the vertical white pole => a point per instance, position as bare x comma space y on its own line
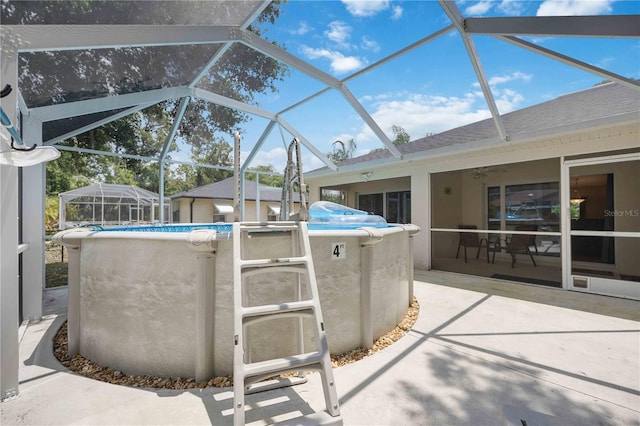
73, 246
33, 227
204, 245
565, 222
9, 299
237, 213
258, 218
366, 297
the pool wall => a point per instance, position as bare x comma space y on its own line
162, 303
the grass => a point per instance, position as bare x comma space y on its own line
56, 274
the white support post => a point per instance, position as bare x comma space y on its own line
9, 298
203, 243
366, 297
366, 285
412, 230
73, 246
33, 227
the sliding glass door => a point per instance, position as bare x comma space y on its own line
603, 224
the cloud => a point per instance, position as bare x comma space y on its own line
511, 7
339, 33
277, 157
396, 13
501, 79
302, 29
363, 8
574, 7
340, 64
479, 8
370, 44
421, 114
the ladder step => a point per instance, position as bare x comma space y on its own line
277, 383
269, 227
280, 261
280, 365
281, 308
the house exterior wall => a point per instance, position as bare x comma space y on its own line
551, 147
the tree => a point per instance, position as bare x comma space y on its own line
342, 151
400, 137
267, 178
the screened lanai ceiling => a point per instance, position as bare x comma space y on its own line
140, 53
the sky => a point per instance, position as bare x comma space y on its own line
430, 89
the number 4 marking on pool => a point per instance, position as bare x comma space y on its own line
338, 251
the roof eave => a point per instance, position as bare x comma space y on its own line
517, 138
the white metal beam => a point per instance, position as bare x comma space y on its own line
263, 46
165, 149
401, 52
369, 121
184, 103
383, 61
311, 147
206, 166
634, 84
107, 153
108, 103
611, 26
258, 145
232, 103
457, 19
39, 38
221, 51
97, 124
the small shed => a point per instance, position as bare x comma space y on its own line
109, 204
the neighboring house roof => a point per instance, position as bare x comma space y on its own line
575, 109
225, 190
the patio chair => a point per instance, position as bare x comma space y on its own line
521, 243
471, 240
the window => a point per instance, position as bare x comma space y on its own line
135, 214
273, 213
399, 207
371, 203
526, 204
333, 195
220, 212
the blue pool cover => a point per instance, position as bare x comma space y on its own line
324, 215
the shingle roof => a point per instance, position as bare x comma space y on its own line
225, 190
598, 102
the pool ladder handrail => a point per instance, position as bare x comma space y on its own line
246, 372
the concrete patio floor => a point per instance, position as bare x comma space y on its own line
482, 352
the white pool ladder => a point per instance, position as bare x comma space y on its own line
245, 372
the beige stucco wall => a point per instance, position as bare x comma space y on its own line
203, 210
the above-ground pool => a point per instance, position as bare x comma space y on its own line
158, 300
